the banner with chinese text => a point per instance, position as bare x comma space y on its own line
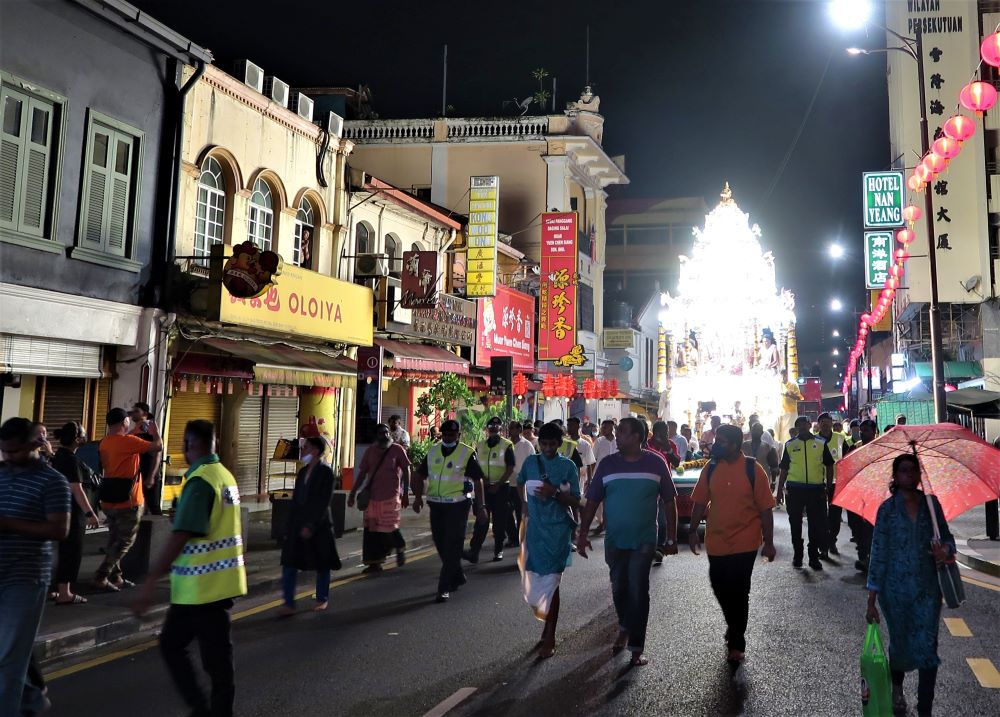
558, 301
505, 327
879, 248
419, 279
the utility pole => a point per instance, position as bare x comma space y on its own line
444, 85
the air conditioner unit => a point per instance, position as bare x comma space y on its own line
302, 105
250, 74
335, 124
371, 265
276, 90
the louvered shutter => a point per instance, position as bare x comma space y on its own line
118, 201
13, 111
95, 199
190, 406
248, 445
65, 401
37, 156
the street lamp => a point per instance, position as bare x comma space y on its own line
836, 334
836, 251
852, 14
836, 304
836, 352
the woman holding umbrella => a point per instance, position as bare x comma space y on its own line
902, 576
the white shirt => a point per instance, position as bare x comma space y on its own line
767, 438
522, 451
603, 447
400, 436
682, 445
586, 452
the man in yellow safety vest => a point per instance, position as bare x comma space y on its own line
836, 441
807, 472
204, 558
496, 457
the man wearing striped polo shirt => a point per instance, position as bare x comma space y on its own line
630, 483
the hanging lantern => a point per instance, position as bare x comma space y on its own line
866, 319
923, 173
990, 49
588, 389
863, 331
902, 255
905, 236
912, 213
892, 282
612, 386
914, 183
959, 128
935, 162
549, 385
978, 97
896, 270
519, 384
946, 147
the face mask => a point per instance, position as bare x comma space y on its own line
448, 445
307, 458
718, 451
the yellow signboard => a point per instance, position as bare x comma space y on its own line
886, 323
480, 278
304, 303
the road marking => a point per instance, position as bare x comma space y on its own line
980, 584
444, 707
984, 671
957, 627
143, 646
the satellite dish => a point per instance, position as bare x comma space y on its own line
972, 283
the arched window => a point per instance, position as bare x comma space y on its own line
392, 251
305, 227
362, 239
417, 246
210, 217
260, 225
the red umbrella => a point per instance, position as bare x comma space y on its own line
957, 466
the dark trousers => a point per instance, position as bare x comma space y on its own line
514, 520
730, 579
861, 531
448, 523
70, 553
925, 687
210, 625
375, 546
630, 590
498, 507
812, 502
833, 516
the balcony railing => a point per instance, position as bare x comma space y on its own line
495, 129
384, 131
498, 128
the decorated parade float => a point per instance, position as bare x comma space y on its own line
728, 332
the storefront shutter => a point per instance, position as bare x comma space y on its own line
102, 404
189, 406
248, 445
65, 400
281, 413
49, 357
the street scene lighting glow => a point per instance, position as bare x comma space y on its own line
856, 51
850, 14
836, 334
836, 250
836, 305
835, 366
836, 352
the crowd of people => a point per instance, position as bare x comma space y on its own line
545, 488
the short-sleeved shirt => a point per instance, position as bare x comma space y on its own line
733, 524
604, 447
681, 444
549, 533
120, 459
385, 481
522, 451
630, 491
29, 492
586, 452
400, 436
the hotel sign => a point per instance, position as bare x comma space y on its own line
884, 199
879, 248
481, 268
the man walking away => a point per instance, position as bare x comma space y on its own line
204, 558
629, 484
452, 476
737, 490
34, 511
835, 441
760, 451
149, 463
496, 458
807, 469
522, 451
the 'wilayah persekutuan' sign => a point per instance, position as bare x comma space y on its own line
884, 197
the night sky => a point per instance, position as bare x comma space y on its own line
694, 93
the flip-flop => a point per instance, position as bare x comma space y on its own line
106, 586
123, 583
77, 600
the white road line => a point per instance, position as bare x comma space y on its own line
453, 701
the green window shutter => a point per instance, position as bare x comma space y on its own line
37, 161
118, 199
13, 111
96, 188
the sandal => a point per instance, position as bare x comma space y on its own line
106, 586
77, 600
123, 583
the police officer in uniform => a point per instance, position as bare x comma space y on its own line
807, 474
836, 441
453, 480
496, 458
204, 558
569, 448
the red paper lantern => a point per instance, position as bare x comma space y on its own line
863, 331
905, 236
914, 183
902, 255
892, 282
935, 162
912, 213
612, 386
923, 173
959, 128
896, 270
519, 384
990, 49
866, 319
549, 385
978, 96
946, 147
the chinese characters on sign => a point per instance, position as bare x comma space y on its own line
419, 279
557, 303
879, 247
451, 320
481, 269
506, 327
884, 197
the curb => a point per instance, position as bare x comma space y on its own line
971, 559
77, 641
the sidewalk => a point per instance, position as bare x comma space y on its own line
69, 629
975, 550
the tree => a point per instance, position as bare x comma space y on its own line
447, 395
541, 97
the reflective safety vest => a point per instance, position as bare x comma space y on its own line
492, 459
806, 461
446, 481
567, 447
836, 443
210, 568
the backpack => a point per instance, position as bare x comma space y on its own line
749, 463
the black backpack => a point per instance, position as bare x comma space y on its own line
749, 463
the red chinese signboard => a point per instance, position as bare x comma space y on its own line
557, 303
506, 327
419, 279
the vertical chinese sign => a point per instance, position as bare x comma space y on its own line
878, 258
481, 269
419, 280
558, 302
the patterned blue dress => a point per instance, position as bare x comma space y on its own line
550, 533
903, 572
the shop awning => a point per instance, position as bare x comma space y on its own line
421, 357
291, 365
953, 370
227, 366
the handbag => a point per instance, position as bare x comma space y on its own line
876, 691
949, 577
573, 521
364, 496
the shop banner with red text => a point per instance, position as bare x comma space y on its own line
506, 328
557, 303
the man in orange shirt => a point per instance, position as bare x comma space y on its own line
741, 521
121, 493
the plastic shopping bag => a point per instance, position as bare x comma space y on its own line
876, 690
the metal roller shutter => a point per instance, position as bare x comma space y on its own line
102, 404
189, 406
282, 416
65, 400
49, 357
248, 445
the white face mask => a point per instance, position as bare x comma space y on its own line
307, 458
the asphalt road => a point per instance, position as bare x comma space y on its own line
385, 648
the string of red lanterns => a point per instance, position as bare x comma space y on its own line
976, 97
